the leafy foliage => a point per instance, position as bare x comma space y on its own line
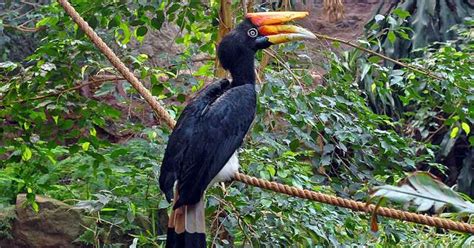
426, 192
74, 130
434, 112
404, 27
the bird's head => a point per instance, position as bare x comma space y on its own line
259, 31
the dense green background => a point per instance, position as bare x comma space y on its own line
364, 124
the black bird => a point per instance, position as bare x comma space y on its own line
203, 146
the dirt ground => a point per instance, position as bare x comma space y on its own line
357, 13
350, 28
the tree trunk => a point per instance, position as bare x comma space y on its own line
225, 25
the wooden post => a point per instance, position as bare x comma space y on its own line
334, 10
248, 6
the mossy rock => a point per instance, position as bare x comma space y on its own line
56, 224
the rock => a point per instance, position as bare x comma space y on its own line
55, 225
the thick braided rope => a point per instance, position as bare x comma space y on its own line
355, 205
117, 63
277, 187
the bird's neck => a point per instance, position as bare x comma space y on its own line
244, 73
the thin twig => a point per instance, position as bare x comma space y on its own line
203, 59
31, 4
411, 67
24, 14
25, 29
97, 81
285, 66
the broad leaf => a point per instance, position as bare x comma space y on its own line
424, 191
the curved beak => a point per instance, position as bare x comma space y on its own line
270, 24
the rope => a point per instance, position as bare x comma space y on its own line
355, 205
277, 187
117, 63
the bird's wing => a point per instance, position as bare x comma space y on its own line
206, 138
217, 134
181, 134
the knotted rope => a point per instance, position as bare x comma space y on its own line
277, 187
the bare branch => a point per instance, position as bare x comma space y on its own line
411, 67
91, 82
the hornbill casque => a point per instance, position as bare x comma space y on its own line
202, 149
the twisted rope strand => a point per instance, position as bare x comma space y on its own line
355, 205
277, 187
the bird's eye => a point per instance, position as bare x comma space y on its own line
253, 32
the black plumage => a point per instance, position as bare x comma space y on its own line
214, 123
212, 126
208, 132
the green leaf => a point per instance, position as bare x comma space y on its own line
55, 118
26, 155
46, 20
51, 158
403, 35
174, 7
142, 57
141, 31
114, 22
35, 206
125, 37
85, 146
152, 135
365, 69
108, 210
326, 160
271, 170
118, 152
454, 132
92, 132
294, 144
373, 86
466, 128
157, 89
204, 70
374, 59
391, 36
181, 98
401, 13
157, 22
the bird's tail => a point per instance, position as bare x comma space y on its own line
186, 227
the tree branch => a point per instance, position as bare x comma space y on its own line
25, 29
411, 67
92, 81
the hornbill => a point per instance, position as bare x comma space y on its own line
202, 149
